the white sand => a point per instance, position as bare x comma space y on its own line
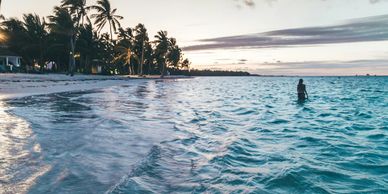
20, 85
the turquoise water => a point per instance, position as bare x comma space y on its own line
202, 135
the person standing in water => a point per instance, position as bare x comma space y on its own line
302, 93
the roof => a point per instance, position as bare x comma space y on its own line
4, 51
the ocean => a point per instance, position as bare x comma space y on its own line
200, 135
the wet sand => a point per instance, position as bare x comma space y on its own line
20, 85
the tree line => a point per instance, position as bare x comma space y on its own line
74, 39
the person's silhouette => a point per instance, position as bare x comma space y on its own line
302, 92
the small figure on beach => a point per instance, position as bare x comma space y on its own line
302, 93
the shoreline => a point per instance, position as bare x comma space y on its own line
18, 85
23, 85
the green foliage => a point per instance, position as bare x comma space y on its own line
76, 44
31, 30
162, 45
105, 14
174, 55
78, 9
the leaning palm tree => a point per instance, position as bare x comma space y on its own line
62, 23
125, 56
161, 50
106, 15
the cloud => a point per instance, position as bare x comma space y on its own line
312, 68
370, 1
377, 1
356, 30
360, 67
249, 3
331, 64
252, 3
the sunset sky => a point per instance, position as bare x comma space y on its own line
271, 37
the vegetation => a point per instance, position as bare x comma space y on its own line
195, 72
73, 38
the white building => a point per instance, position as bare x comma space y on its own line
8, 60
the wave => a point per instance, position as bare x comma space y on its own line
147, 164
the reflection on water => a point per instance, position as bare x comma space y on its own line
205, 135
20, 156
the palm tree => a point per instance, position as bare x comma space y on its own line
186, 64
106, 53
78, 9
161, 50
149, 57
87, 46
13, 36
106, 14
140, 45
36, 36
13, 26
125, 50
174, 54
28, 38
62, 23
124, 34
124, 55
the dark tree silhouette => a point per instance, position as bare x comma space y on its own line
62, 23
162, 45
70, 37
105, 14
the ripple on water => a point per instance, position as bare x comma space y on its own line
362, 127
204, 135
279, 121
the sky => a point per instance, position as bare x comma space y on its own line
268, 37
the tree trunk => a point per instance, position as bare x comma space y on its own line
87, 65
142, 58
72, 59
163, 69
110, 30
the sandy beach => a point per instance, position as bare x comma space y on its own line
20, 85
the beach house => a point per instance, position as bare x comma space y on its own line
9, 61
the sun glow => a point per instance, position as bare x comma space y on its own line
3, 37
